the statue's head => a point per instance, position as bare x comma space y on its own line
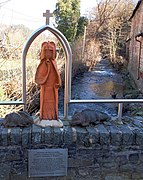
52, 47
48, 50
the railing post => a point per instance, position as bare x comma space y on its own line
120, 112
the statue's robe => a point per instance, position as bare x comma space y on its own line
48, 77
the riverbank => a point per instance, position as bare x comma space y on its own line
131, 91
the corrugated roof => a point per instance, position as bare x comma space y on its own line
136, 8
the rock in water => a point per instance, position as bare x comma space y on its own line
17, 119
87, 117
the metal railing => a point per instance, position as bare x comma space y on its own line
68, 76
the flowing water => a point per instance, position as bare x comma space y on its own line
100, 83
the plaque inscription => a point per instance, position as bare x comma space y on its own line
47, 162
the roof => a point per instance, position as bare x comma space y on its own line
136, 8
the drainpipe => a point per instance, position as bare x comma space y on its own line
139, 57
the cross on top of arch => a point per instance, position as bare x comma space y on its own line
47, 15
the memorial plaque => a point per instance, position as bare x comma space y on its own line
47, 162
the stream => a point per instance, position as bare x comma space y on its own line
99, 83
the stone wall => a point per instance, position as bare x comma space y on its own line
136, 28
104, 152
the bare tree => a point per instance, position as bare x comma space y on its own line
110, 26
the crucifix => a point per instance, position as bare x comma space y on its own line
47, 15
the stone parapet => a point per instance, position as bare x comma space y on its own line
121, 135
100, 152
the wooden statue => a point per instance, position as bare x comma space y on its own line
48, 77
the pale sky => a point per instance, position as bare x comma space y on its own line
30, 12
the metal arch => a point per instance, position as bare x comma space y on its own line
68, 66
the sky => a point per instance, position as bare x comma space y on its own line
30, 12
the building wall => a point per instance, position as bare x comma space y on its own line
136, 28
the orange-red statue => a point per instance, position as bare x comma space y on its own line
48, 77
